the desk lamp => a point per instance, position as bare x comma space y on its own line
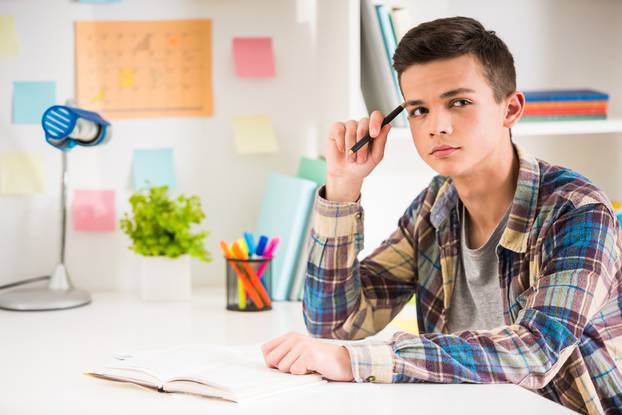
65, 127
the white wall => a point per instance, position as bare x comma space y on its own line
230, 185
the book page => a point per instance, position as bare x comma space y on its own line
169, 363
231, 372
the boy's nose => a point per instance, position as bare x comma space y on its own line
440, 124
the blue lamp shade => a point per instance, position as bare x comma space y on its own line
65, 127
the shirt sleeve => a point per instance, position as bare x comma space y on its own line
343, 298
580, 265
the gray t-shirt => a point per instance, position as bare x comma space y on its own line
476, 303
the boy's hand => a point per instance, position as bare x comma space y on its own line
345, 172
299, 354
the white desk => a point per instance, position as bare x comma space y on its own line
43, 355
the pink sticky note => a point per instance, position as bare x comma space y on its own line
253, 57
94, 211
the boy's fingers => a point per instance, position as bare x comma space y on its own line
350, 139
375, 123
299, 367
361, 129
272, 344
274, 357
288, 360
337, 134
379, 144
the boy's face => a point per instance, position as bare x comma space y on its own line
454, 119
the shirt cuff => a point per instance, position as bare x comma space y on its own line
335, 219
371, 362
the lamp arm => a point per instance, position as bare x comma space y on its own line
63, 208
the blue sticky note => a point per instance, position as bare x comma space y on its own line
153, 167
31, 99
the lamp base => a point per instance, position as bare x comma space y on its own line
43, 299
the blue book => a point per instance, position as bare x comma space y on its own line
284, 212
314, 170
565, 95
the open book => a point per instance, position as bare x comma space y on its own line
235, 373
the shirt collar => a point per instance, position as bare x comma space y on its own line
523, 209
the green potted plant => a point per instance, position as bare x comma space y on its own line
160, 229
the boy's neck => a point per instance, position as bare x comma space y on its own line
488, 193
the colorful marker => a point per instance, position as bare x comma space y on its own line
269, 253
261, 245
254, 279
244, 281
250, 243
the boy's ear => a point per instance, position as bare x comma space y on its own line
515, 105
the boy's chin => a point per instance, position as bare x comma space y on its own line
447, 168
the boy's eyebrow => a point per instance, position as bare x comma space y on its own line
444, 95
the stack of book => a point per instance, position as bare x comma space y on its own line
381, 30
285, 212
553, 105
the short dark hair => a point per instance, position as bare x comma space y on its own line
453, 37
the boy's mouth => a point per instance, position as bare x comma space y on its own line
443, 150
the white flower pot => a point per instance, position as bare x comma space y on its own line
165, 279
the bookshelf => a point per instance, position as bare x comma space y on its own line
528, 129
556, 44
611, 125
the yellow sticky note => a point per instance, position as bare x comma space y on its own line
126, 78
8, 37
409, 325
21, 173
254, 135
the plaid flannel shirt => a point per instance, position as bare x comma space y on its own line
559, 277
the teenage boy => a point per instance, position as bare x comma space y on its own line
514, 263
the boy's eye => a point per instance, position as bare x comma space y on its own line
419, 111
460, 103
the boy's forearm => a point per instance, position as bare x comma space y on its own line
332, 284
344, 298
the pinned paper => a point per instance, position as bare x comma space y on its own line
31, 99
21, 173
94, 211
8, 37
254, 135
253, 57
153, 167
145, 68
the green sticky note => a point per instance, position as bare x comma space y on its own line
31, 99
153, 167
254, 135
21, 173
312, 169
8, 37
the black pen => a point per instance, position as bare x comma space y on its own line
366, 138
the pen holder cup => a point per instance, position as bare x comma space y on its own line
249, 284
